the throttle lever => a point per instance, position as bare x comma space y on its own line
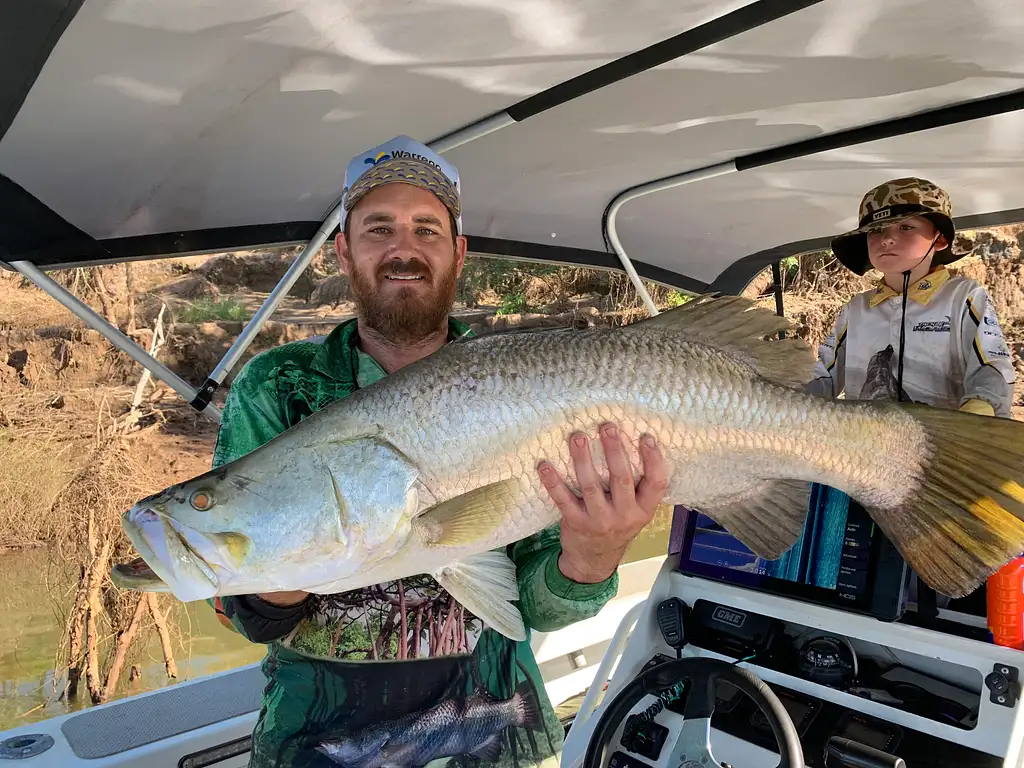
848, 753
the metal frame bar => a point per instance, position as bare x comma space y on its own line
756, 14
779, 301
611, 232
245, 338
200, 398
939, 117
91, 318
604, 670
271, 303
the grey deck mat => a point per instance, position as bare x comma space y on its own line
136, 722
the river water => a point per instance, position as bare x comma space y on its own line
31, 625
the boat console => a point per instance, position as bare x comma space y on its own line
820, 659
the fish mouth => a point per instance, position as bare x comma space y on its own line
168, 563
137, 575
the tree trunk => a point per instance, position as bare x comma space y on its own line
101, 290
129, 287
124, 641
165, 637
97, 572
75, 636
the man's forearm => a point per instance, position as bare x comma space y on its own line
262, 620
548, 599
592, 570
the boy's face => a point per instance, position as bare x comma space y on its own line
901, 246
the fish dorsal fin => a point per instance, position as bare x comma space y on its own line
737, 326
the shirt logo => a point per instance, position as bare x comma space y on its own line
933, 326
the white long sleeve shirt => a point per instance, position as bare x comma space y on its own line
954, 349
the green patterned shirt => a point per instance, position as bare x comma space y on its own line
399, 674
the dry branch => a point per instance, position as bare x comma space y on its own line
160, 620
101, 291
131, 419
124, 640
129, 287
106, 621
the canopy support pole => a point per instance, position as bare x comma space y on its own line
91, 318
327, 226
612, 235
269, 306
779, 307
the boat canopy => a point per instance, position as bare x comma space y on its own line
691, 142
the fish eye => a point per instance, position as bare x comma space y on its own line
201, 500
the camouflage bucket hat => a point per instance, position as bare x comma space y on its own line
893, 201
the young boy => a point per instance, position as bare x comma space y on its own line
947, 349
920, 331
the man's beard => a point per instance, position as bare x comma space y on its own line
408, 316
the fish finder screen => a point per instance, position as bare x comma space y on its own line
834, 551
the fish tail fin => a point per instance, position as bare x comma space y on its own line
526, 709
964, 516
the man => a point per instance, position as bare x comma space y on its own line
400, 674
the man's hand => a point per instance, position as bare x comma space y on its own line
597, 529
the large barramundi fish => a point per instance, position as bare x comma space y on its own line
433, 469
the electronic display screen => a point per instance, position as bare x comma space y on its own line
798, 710
878, 736
836, 560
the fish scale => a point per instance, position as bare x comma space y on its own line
433, 469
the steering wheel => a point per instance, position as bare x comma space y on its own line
693, 747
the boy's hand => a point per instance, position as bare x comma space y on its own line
978, 406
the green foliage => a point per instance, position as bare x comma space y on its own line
512, 303
208, 310
677, 298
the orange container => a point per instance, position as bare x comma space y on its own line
1005, 604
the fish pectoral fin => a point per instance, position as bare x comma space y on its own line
736, 325
489, 750
486, 585
468, 518
769, 521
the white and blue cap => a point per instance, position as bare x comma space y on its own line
406, 161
